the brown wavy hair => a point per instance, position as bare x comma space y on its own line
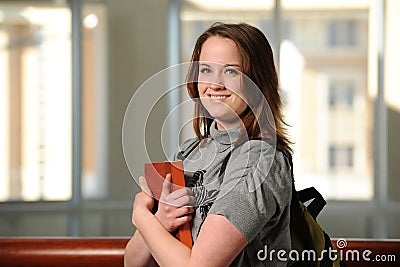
257, 62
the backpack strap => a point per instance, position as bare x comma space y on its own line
317, 201
182, 155
297, 222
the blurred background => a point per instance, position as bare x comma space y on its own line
69, 68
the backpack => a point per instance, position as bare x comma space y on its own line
308, 238
307, 235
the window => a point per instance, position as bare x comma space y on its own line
341, 157
341, 93
36, 122
342, 33
328, 104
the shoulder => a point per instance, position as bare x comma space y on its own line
255, 151
256, 146
263, 160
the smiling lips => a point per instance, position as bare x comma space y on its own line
218, 98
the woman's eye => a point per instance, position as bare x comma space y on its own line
231, 71
205, 71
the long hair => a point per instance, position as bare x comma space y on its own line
257, 63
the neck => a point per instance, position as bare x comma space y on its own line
226, 126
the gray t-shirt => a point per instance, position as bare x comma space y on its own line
254, 193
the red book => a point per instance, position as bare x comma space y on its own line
155, 174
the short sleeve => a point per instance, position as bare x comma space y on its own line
256, 188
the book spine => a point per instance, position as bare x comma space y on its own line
178, 179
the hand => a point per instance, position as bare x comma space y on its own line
174, 208
144, 201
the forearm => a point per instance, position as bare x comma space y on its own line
137, 253
165, 248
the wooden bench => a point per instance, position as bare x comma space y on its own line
97, 252
109, 252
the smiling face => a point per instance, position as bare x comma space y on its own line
220, 81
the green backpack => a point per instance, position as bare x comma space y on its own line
312, 244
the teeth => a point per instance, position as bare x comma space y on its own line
218, 96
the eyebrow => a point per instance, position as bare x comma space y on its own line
225, 65
232, 65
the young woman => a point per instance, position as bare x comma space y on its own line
239, 203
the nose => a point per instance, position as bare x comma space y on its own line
217, 82
216, 86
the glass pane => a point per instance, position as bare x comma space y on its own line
33, 224
392, 98
94, 101
197, 15
324, 74
35, 95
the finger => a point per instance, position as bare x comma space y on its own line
144, 186
182, 201
166, 187
182, 220
176, 212
178, 222
184, 191
183, 211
